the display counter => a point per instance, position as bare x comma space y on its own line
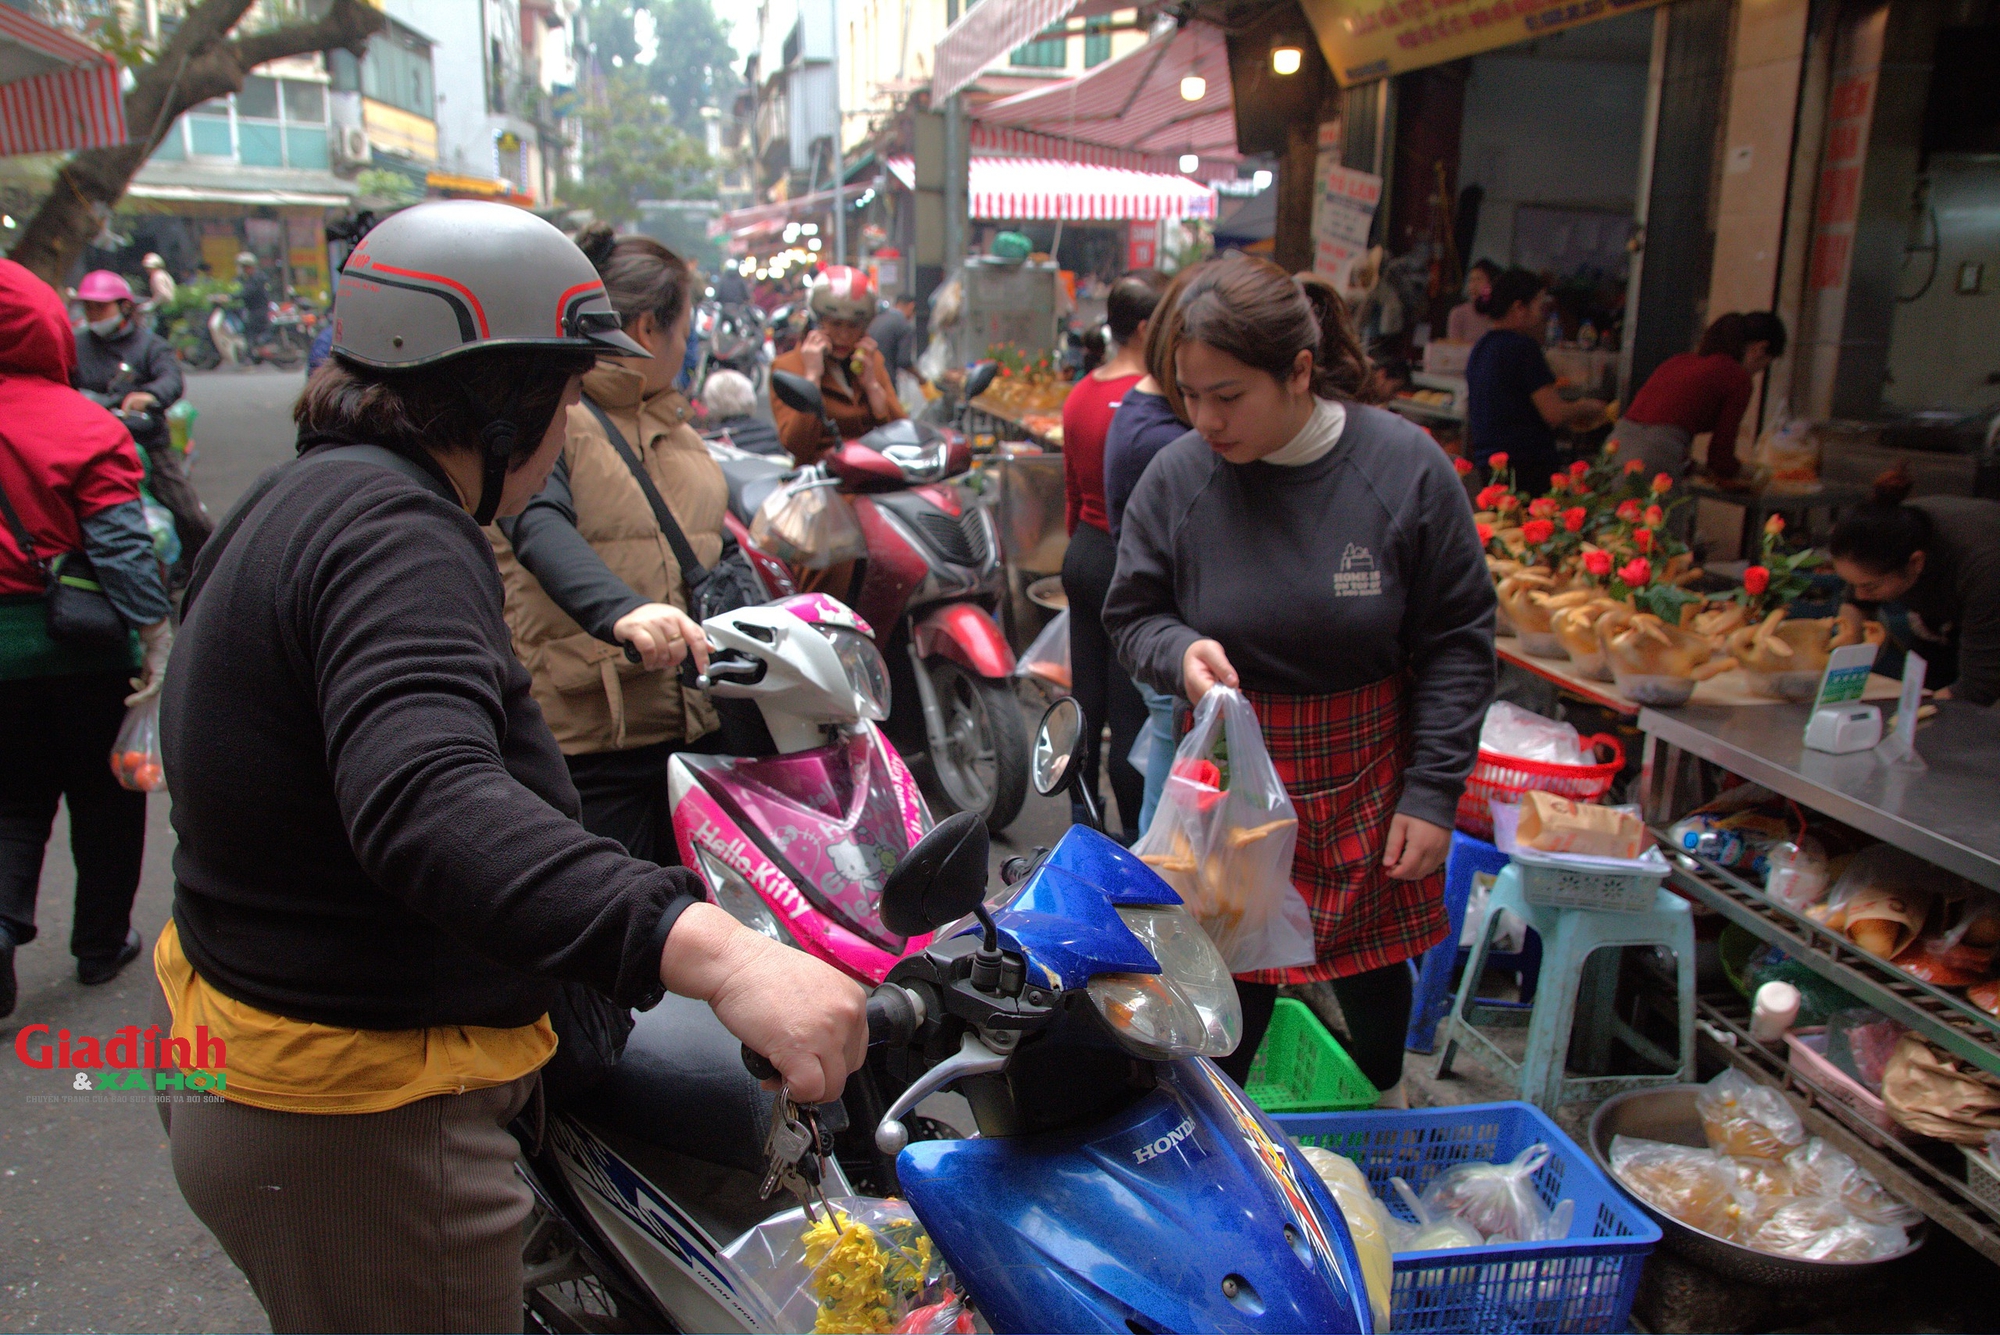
1728, 690
1945, 813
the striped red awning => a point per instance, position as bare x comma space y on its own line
1134, 103
57, 92
1043, 188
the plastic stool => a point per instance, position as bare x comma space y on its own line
1569, 937
1469, 857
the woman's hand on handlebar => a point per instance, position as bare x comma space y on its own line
663, 635
1205, 665
809, 1019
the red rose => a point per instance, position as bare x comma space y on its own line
1655, 516
1489, 497
1635, 465
1597, 562
1579, 468
1637, 571
1462, 464
1509, 502
1662, 484
1497, 461
1755, 580
1537, 531
1774, 525
1573, 519
1485, 533
1558, 481
1629, 511
1643, 539
1541, 507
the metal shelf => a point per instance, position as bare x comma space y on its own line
1945, 1019
1901, 1170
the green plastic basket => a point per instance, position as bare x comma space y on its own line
1302, 1068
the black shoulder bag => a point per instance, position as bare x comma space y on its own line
727, 585
79, 613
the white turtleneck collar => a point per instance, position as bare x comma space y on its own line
1315, 439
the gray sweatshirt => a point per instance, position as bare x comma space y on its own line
1319, 578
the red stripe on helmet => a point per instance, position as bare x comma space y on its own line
478, 311
562, 302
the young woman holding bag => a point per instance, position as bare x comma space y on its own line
1318, 554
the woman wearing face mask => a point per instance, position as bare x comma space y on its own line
1929, 570
588, 570
839, 357
1319, 555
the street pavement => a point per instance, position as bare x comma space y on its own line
94, 1235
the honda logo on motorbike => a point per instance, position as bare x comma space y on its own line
1153, 1149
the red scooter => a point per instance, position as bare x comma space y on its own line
930, 586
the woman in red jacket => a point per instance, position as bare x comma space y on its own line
1707, 390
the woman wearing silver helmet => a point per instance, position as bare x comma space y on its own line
380, 882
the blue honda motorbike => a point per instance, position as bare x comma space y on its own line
1119, 1181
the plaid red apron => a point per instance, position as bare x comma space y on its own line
1341, 757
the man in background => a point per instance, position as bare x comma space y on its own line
895, 332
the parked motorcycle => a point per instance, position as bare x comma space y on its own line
229, 336
931, 586
734, 341
1120, 1182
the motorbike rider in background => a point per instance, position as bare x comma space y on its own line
254, 294
121, 364
839, 357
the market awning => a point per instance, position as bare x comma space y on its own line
989, 31
185, 194
1041, 188
1135, 102
768, 219
56, 91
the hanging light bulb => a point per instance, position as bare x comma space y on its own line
1285, 59
1193, 87
1189, 162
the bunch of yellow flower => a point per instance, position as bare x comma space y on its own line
863, 1280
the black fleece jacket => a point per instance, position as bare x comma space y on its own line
376, 827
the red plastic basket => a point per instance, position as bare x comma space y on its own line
1509, 776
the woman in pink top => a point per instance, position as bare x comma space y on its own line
1707, 390
1098, 682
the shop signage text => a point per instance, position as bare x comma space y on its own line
1368, 39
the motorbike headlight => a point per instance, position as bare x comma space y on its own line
1187, 1009
866, 672
735, 897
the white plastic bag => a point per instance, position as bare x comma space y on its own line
1513, 731
135, 753
1048, 657
867, 1266
1497, 1199
808, 524
1224, 835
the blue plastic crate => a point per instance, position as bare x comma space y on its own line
1584, 1283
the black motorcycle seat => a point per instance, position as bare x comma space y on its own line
681, 1085
751, 481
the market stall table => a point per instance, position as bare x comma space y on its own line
1724, 690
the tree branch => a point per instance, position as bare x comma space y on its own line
199, 63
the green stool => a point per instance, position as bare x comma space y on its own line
1569, 938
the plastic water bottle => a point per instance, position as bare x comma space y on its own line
1698, 835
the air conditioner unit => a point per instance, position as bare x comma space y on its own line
351, 145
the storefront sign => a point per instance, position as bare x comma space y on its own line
1849, 111
1142, 245
1344, 203
1368, 39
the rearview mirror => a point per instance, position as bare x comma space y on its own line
798, 393
1058, 753
980, 379
940, 880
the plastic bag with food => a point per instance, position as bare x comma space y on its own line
135, 753
1432, 1233
1816, 1228
1881, 901
1795, 873
1818, 1169
1860, 1042
1550, 823
1048, 657
1497, 1199
1936, 1094
1367, 1223
808, 524
1693, 1186
1962, 953
1223, 837
1510, 730
1741, 1116
862, 1266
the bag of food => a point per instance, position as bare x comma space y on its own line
1555, 824
1510, 730
1497, 1199
1795, 873
808, 524
1962, 954
1367, 1223
1223, 837
1880, 901
1814, 1228
1743, 1117
1048, 656
1860, 1042
1693, 1186
135, 753
1818, 1169
1935, 1094
1433, 1233
860, 1265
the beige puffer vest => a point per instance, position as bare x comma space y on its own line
594, 698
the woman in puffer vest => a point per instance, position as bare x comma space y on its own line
588, 570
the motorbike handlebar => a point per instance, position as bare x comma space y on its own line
893, 1016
